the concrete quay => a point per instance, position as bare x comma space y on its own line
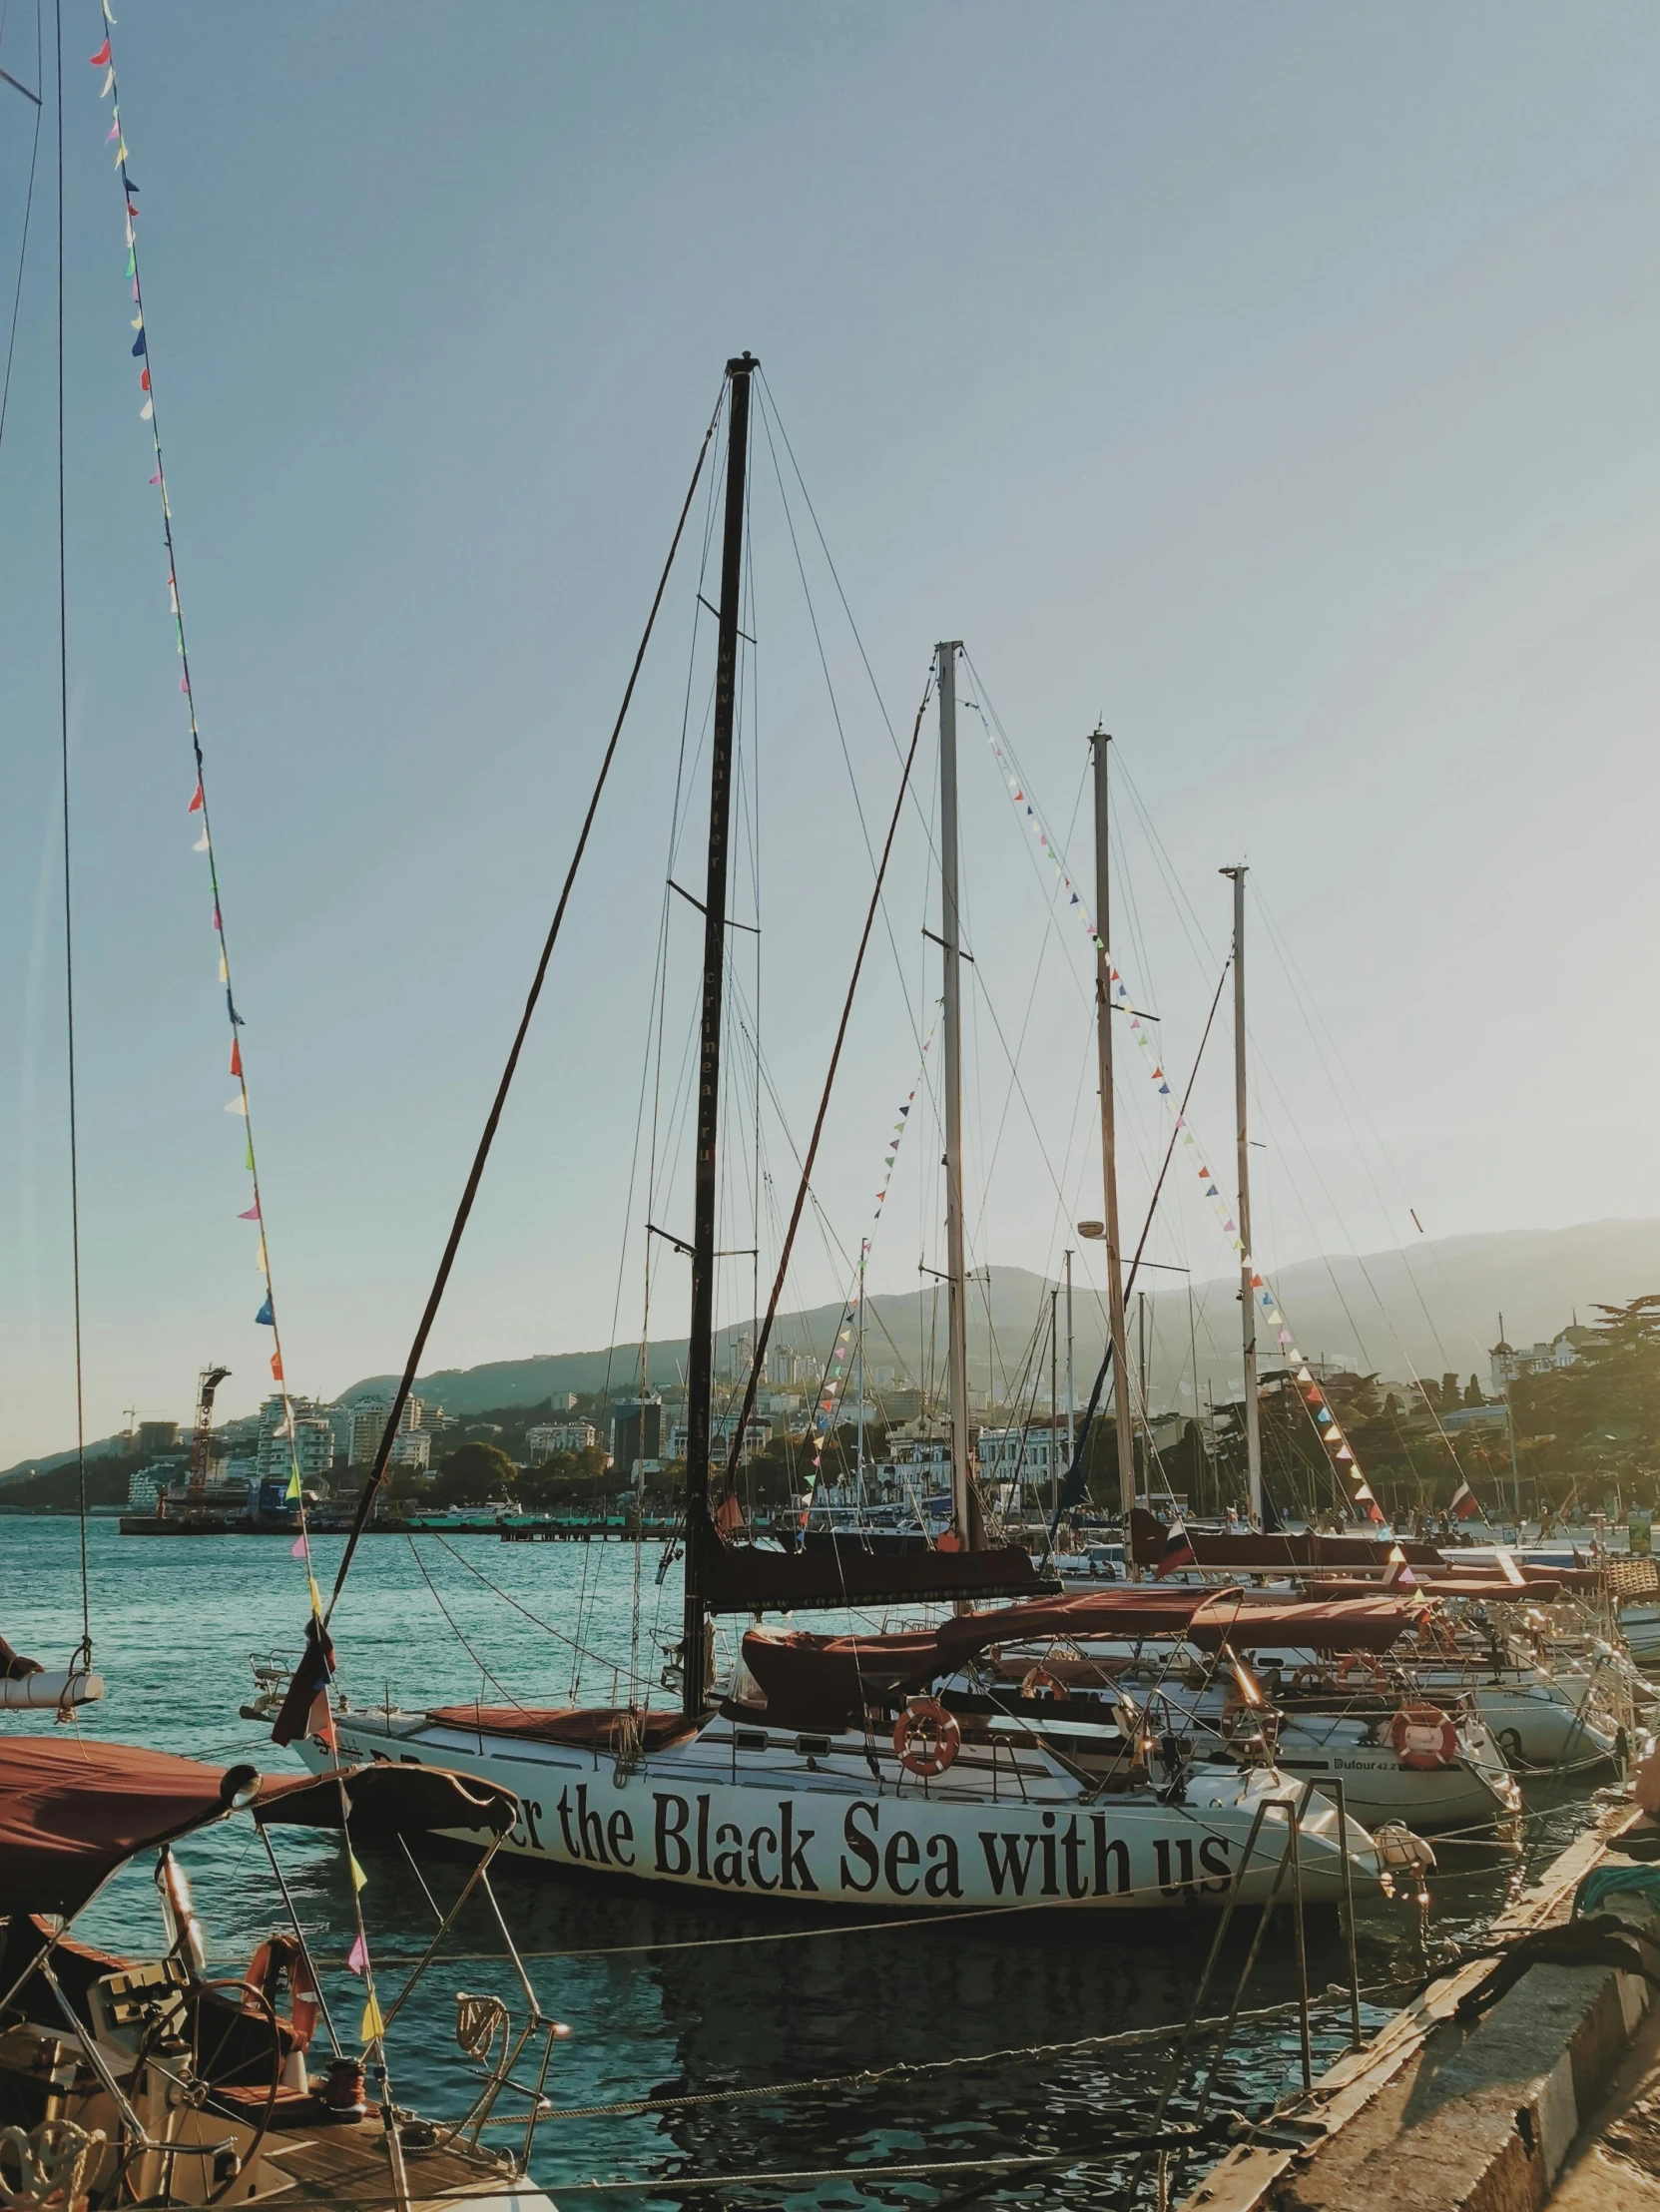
1538, 2101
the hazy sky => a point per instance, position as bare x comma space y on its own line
1278, 383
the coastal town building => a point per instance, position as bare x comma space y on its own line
757, 1435
1509, 1361
312, 1442
358, 1428
553, 1439
637, 1433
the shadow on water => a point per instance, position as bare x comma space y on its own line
670, 1998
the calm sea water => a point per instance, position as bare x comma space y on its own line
665, 1997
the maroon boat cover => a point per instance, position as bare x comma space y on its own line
825, 1682
1538, 1591
592, 1727
1250, 1553
1337, 1623
73, 1811
748, 1578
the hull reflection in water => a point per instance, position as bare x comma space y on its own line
838, 1821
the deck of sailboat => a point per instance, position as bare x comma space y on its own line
349, 2164
736, 1752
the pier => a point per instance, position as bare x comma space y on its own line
1500, 2077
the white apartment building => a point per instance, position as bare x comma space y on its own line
722, 1428
312, 1442
553, 1439
358, 1436
1021, 1455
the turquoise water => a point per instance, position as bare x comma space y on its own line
665, 1997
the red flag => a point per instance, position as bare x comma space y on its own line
1178, 1552
236, 1056
98, 60
1463, 1502
195, 805
275, 1369
144, 381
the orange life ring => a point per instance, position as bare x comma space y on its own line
927, 1737
1424, 1737
279, 1955
1305, 1680
1037, 1679
1360, 1673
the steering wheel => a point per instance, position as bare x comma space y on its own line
209, 2032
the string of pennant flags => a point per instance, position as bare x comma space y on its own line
1323, 1421
836, 1368
238, 1105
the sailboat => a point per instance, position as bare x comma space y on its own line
884, 1798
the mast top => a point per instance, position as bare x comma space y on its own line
742, 366
1238, 869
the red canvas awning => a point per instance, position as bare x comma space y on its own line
72, 1811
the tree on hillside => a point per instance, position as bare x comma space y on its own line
1472, 1391
474, 1474
569, 1482
1600, 1418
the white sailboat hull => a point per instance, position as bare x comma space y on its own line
706, 1816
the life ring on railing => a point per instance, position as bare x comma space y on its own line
1307, 1679
1424, 1737
1357, 1673
1038, 1680
927, 1737
283, 1955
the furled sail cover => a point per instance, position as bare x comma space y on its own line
825, 1682
748, 1578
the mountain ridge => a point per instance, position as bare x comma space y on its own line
1432, 1308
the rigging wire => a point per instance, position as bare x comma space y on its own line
765, 1331
365, 1502
28, 206
84, 1652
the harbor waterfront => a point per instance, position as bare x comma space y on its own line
671, 1996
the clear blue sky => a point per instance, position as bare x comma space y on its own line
1278, 383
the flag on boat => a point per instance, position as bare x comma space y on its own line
1463, 1502
305, 1708
1176, 1552
1400, 1576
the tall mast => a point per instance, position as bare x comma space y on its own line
864, 1256
1071, 1402
1109, 1153
1247, 1296
1054, 1396
700, 1533
957, 1294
